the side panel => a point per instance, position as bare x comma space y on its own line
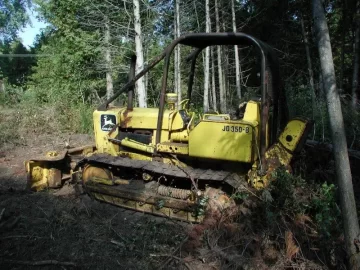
104, 123
146, 118
223, 140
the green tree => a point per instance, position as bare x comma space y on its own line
343, 172
15, 69
13, 16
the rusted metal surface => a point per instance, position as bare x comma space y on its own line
54, 157
264, 120
60, 155
131, 88
54, 178
176, 193
82, 149
151, 167
141, 206
127, 119
142, 196
113, 129
91, 171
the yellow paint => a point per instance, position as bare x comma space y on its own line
280, 153
121, 182
137, 145
252, 112
52, 154
97, 174
292, 134
132, 155
165, 136
102, 181
216, 117
218, 137
145, 156
227, 140
171, 99
181, 136
174, 148
146, 118
103, 145
37, 175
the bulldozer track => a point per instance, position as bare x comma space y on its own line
156, 167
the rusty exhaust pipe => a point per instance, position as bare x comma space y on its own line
130, 104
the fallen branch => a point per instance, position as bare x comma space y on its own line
2, 213
173, 257
41, 263
22, 236
119, 244
168, 260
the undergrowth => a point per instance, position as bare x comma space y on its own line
291, 224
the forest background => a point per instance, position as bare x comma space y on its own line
83, 55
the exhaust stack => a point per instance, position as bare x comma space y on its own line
130, 104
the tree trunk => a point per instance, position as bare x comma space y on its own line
236, 49
2, 86
311, 73
355, 80
108, 62
344, 20
343, 173
140, 84
213, 86
225, 60
220, 69
177, 58
207, 60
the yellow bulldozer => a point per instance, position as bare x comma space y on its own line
169, 161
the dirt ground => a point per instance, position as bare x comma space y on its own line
62, 230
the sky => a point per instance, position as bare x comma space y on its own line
29, 33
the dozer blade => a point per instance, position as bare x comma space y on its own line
51, 170
290, 141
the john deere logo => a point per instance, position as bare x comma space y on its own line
108, 121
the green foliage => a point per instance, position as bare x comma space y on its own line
9, 133
77, 118
290, 196
283, 190
326, 211
13, 16
11, 96
300, 105
69, 76
15, 70
239, 196
201, 206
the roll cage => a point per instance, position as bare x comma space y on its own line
271, 88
